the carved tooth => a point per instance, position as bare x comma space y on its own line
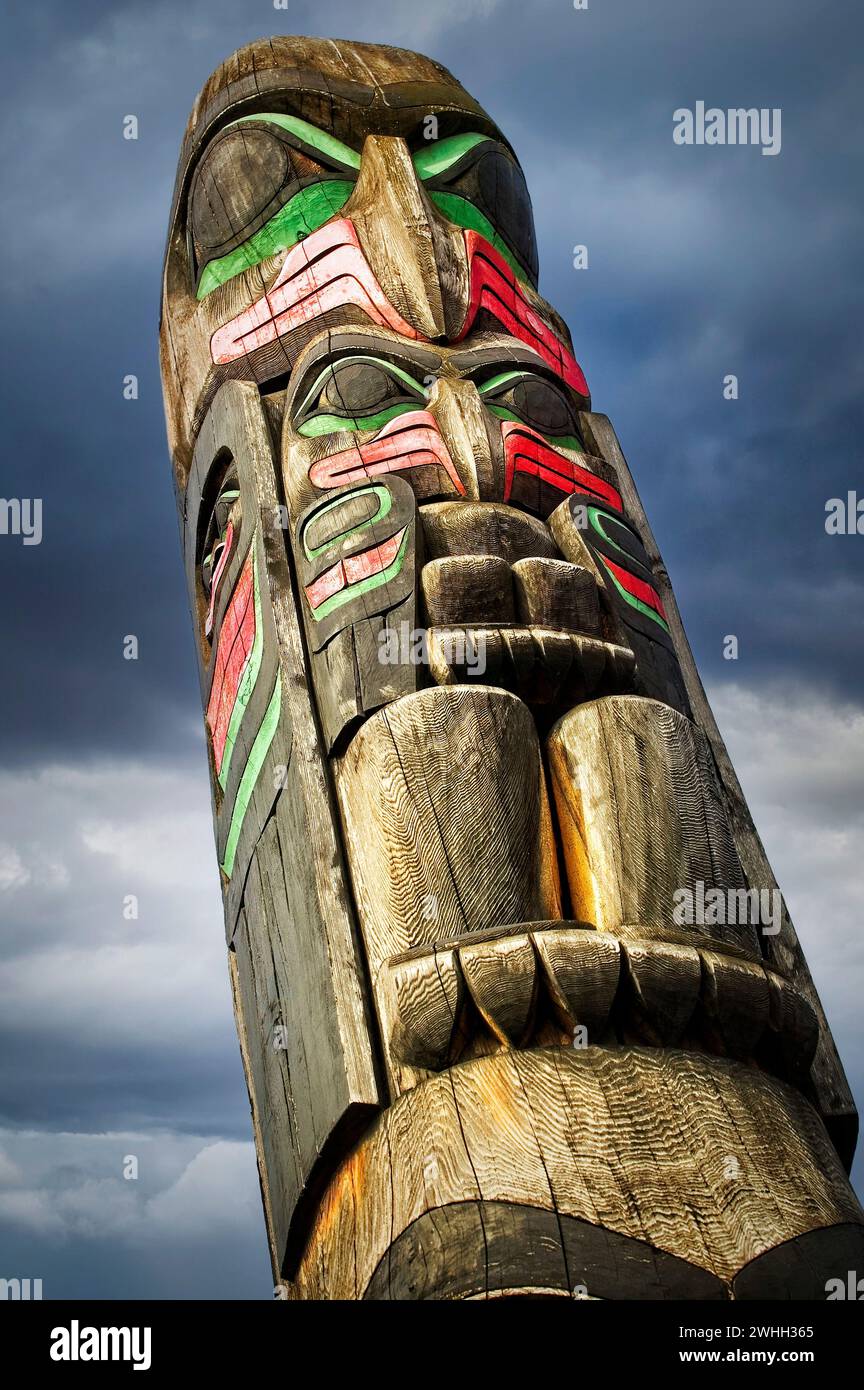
663, 988
734, 1002
581, 969
502, 978
468, 589
554, 593
427, 995
793, 1028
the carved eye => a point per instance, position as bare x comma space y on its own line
261, 186
238, 185
475, 182
503, 196
535, 402
357, 393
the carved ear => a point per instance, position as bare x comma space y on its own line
355, 553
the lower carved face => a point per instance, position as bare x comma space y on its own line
447, 524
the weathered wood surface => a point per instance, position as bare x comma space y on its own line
834, 1098
447, 1002
446, 819
641, 818
677, 1171
307, 1046
544, 666
585, 1095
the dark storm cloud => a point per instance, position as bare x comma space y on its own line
702, 262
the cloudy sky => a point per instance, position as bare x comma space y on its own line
116, 1036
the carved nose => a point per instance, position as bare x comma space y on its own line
410, 249
458, 410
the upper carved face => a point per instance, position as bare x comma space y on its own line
311, 198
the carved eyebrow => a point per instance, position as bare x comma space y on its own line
527, 373
499, 380
441, 155
320, 140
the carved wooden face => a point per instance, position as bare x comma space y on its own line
310, 199
353, 342
359, 246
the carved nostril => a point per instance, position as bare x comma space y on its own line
467, 589
554, 593
458, 410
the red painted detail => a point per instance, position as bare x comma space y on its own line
526, 451
217, 575
232, 652
326, 270
353, 569
408, 441
493, 286
635, 586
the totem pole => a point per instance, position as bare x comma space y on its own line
466, 781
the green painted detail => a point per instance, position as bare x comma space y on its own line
320, 140
385, 502
556, 441
247, 682
635, 602
389, 367
595, 518
304, 213
464, 214
257, 754
330, 424
500, 380
363, 586
504, 413
440, 155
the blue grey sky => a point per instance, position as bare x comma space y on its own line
117, 1036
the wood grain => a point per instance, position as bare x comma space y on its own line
641, 818
695, 1159
446, 819
783, 951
